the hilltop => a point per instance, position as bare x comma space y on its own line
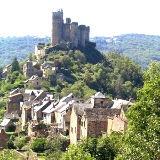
139, 47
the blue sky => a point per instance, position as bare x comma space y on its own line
105, 17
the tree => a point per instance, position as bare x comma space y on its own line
15, 65
103, 148
143, 136
77, 153
7, 154
66, 61
45, 85
38, 145
55, 147
20, 142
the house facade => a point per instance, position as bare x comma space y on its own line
34, 81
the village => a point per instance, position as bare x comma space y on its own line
39, 113
78, 118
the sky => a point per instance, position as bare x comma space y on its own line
105, 17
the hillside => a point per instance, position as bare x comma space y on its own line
19, 47
139, 47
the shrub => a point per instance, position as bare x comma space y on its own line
38, 144
20, 142
10, 144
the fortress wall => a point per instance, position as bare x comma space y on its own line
66, 32
82, 30
74, 34
87, 33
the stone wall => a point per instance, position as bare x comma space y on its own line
95, 128
3, 139
13, 104
118, 125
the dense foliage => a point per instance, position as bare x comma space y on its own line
113, 74
8, 154
141, 48
103, 148
142, 141
53, 147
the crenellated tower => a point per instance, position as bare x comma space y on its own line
57, 27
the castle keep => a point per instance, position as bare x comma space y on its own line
68, 32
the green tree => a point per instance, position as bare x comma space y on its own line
45, 85
38, 145
55, 147
77, 153
7, 154
66, 62
15, 65
142, 141
19, 142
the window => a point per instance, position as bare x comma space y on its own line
75, 130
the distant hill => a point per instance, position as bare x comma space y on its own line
139, 47
19, 47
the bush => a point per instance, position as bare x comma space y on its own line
10, 144
20, 142
38, 145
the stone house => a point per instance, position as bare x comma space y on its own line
3, 139
117, 123
61, 107
5, 124
81, 124
101, 101
35, 81
37, 114
40, 50
48, 113
14, 117
33, 94
31, 98
95, 121
74, 124
13, 103
29, 69
48, 67
6, 70
119, 103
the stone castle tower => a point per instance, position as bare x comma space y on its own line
68, 32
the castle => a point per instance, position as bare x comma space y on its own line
64, 35
68, 32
